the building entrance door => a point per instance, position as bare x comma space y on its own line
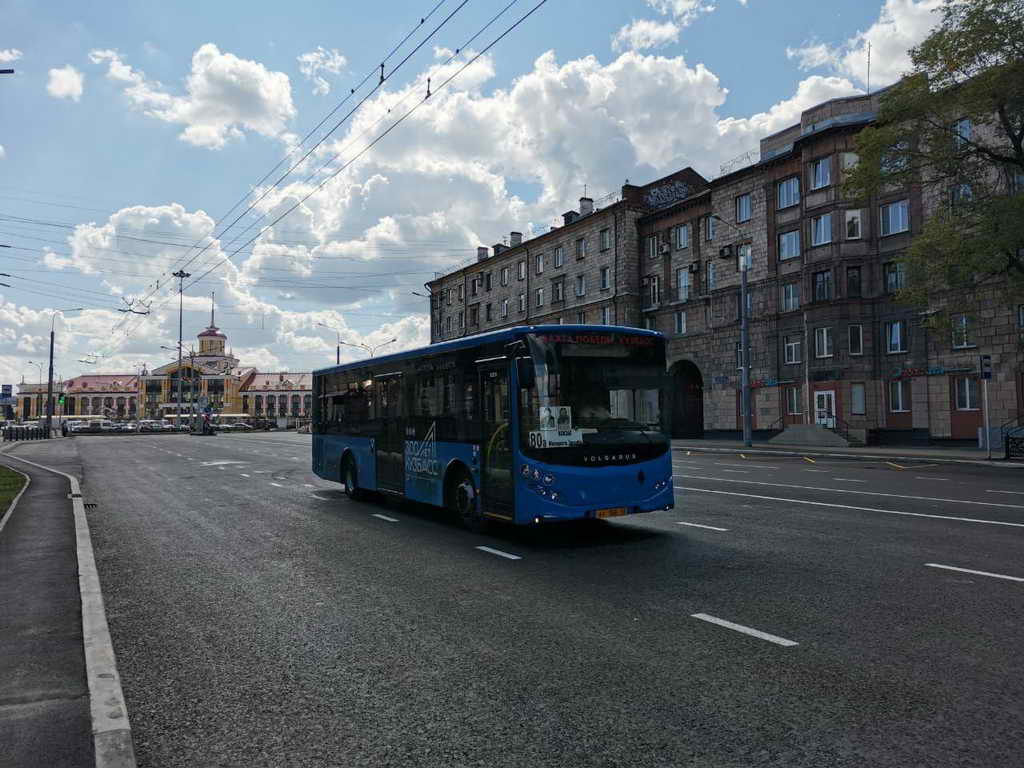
497, 473
825, 408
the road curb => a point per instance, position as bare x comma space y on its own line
855, 456
111, 729
14, 501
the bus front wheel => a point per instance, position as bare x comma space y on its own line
350, 479
462, 498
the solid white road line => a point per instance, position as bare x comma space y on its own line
278, 485
815, 470
846, 506
244, 475
931, 478
848, 480
859, 493
748, 465
977, 573
737, 471
385, 517
745, 630
1019, 493
499, 553
698, 525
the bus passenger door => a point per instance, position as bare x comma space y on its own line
391, 436
496, 471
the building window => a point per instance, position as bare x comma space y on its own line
789, 245
653, 291
896, 337
462, 320
462, 293
558, 291
474, 315
504, 275
521, 269
856, 334
606, 278
744, 260
581, 248
650, 323
823, 342
581, 285
894, 274
789, 192
793, 401
821, 173
651, 246
966, 393
581, 318
540, 297
680, 318
961, 133
793, 348
790, 297
607, 317
474, 285
504, 307
962, 332
710, 224
959, 194
522, 302
823, 285
488, 314
448, 324
739, 356
681, 234
821, 229
899, 396
857, 404
606, 239
540, 263
743, 208
848, 160
449, 297
559, 256
1020, 315
487, 281
853, 225
711, 274
750, 304
682, 284
853, 282
895, 217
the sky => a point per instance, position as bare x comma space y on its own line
261, 152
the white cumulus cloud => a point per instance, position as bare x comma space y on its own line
313, 63
3, 152
224, 97
641, 34
7, 55
65, 83
901, 25
683, 11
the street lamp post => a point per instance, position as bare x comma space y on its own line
372, 350
744, 341
181, 274
39, 389
49, 382
337, 356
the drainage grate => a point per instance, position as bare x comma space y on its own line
91, 505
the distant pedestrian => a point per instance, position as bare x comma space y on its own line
63, 429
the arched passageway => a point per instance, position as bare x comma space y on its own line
687, 400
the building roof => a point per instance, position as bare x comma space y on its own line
212, 331
108, 382
279, 381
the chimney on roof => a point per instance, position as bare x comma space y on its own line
586, 206
481, 252
515, 238
569, 217
499, 248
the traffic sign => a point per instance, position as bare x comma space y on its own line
985, 366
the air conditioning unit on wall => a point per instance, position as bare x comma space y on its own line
725, 252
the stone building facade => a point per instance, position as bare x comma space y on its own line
829, 344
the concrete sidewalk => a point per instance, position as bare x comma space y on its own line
885, 453
44, 693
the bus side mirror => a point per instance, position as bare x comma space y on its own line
525, 373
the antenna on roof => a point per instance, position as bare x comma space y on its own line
211, 309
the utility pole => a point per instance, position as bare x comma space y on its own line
49, 381
181, 275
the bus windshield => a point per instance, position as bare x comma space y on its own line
584, 393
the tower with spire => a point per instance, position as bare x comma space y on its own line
212, 344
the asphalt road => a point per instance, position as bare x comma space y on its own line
261, 619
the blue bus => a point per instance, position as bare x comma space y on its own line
525, 425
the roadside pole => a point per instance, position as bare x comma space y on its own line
985, 366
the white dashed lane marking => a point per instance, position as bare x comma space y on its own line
244, 475
745, 630
848, 480
976, 573
698, 525
499, 553
386, 518
278, 485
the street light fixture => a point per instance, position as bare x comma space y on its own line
39, 388
744, 341
337, 357
49, 381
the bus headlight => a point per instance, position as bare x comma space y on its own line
549, 479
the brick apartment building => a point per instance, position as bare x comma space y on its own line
828, 342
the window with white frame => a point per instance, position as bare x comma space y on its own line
522, 269
522, 302
650, 323
960, 194
821, 173
1020, 315
750, 305
743, 208
895, 217
462, 319
504, 275
857, 399
793, 401
487, 281
962, 332
788, 192
652, 291
790, 297
848, 160
451, 295
739, 356
894, 276
856, 337
540, 298
899, 396
504, 307
651, 245
581, 285
789, 245
712, 271
966, 393
581, 318
744, 260
681, 235
853, 225
558, 291
488, 313
607, 316
793, 348
896, 337
540, 263
559, 256
961, 133
680, 320
448, 324
606, 239
823, 285
606, 278
823, 342
474, 285
709, 228
821, 229
682, 284
462, 292
581, 248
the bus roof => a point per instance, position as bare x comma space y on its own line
485, 338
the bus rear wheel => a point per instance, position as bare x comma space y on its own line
350, 479
462, 499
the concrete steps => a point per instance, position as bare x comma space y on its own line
811, 434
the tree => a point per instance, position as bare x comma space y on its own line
954, 126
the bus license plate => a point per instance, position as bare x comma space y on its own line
613, 512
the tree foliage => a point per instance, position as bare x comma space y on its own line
954, 128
